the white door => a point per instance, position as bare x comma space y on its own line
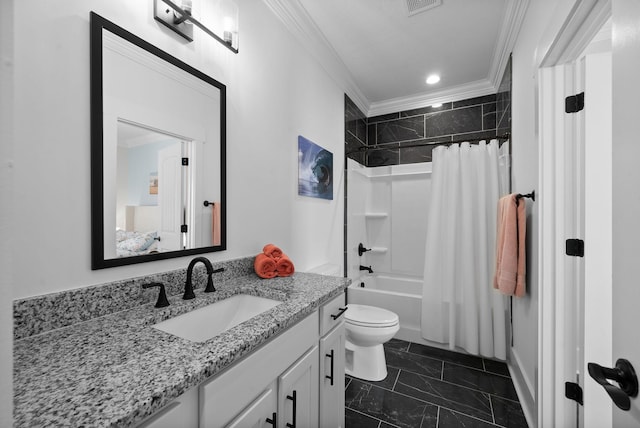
626, 197
610, 316
170, 197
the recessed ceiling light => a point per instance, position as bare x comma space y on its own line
436, 105
433, 79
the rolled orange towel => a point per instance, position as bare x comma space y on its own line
272, 251
284, 266
265, 266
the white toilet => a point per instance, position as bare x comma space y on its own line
367, 328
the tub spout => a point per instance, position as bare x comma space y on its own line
367, 268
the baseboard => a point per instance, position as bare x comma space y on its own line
524, 388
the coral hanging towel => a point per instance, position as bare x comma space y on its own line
509, 277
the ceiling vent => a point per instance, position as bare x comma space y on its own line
417, 6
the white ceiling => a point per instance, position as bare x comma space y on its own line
387, 54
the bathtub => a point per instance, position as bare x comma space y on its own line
399, 294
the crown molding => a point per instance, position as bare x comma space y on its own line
478, 88
297, 20
511, 24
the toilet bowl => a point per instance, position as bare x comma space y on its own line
367, 328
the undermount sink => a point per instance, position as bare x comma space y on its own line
202, 324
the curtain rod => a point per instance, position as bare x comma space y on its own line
363, 149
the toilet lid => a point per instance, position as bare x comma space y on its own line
364, 315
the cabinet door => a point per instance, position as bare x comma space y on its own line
332, 378
298, 393
259, 414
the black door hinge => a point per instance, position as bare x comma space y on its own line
575, 247
574, 103
184, 228
185, 161
573, 392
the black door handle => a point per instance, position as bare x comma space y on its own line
624, 374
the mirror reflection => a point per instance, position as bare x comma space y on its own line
158, 153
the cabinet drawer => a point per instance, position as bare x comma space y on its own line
332, 313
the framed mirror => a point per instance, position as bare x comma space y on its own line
158, 153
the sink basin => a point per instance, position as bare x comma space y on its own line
202, 324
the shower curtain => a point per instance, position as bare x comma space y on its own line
459, 306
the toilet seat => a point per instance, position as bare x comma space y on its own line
370, 316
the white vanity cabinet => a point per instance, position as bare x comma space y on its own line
289, 381
332, 363
298, 393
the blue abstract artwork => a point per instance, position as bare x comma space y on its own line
315, 170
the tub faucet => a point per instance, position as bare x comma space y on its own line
188, 287
368, 268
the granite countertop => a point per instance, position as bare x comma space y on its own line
116, 370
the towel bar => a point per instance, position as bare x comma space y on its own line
531, 195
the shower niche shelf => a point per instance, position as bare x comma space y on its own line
376, 215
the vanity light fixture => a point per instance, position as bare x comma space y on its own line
177, 15
437, 105
433, 79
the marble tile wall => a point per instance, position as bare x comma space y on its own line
355, 130
479, 117
503, 102
35, 315
470, 118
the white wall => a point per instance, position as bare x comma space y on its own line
275, 92
542, 21
6, 192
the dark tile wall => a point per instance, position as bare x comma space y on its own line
470, 118
355, 130
480, 117
503, 102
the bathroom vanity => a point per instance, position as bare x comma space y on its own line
296, 378
119, 370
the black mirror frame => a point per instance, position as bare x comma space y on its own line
98, 23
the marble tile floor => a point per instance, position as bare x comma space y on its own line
433, 388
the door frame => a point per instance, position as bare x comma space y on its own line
556, 325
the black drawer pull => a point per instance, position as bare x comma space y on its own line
292, 397
330, 377
273, 421
342, 310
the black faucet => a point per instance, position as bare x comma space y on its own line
162, 295
368, 268
188, 287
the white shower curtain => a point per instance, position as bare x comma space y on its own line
459, 305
